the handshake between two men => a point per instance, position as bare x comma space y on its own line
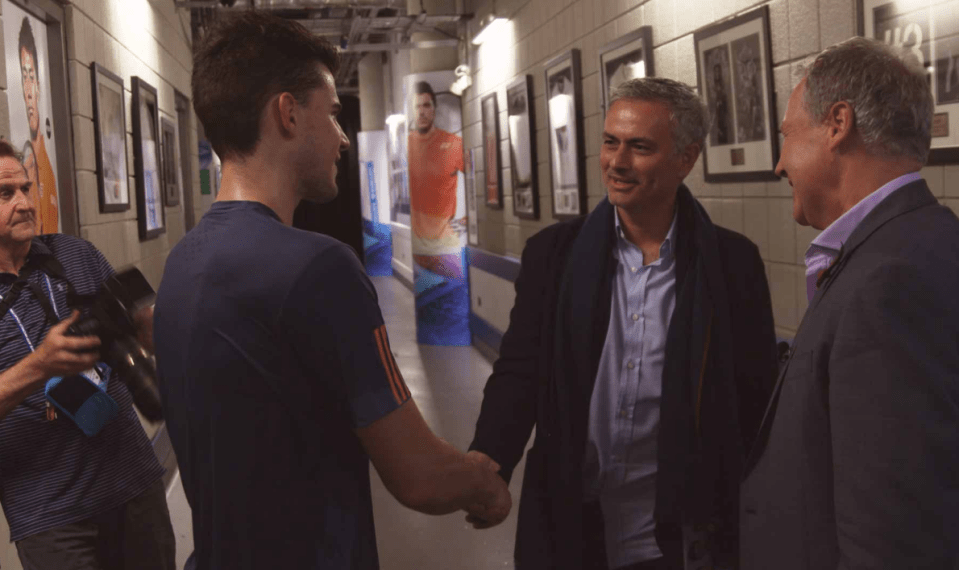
428, 475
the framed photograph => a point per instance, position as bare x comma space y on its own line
522, 147
626, 58
472, 223
494, 186
110, 135
146, 160
171, 186
734, 72
929, 31
564, 127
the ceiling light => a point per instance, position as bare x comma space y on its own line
490, 28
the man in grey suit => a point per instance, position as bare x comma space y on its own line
857, 459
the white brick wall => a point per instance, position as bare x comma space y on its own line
144, 38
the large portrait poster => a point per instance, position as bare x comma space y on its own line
375, 202
437, 209
31, 109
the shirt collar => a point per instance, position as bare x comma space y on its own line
832, 238
37, 247
665, 250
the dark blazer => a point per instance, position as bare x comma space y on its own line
517, 398
857, 461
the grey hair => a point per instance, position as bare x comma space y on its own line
889, 94
688, 116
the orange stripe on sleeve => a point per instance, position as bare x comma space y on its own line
404, 389
386, 357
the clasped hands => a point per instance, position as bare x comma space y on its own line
496, 503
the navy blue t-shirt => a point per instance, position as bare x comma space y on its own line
271, 351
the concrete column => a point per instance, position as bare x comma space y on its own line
372, 101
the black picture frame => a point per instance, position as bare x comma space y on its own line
932, 33
743, 142
521, 127
619, 59
489, 110
151, 218
567, 156
171, 187
110, 136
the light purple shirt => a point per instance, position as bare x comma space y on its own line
620, 464
825, 248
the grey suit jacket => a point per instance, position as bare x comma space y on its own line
857, 460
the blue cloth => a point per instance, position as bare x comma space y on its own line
271, 351
825, 248
51, 474
620, 461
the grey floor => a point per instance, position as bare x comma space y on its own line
447, 385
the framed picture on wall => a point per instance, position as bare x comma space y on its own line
171, 187
472, 223
522, 147
929, 31
491, 156
734, 72
146, 160
564, 128
627, 57
110, 135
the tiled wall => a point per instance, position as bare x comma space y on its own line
144, 38
541, 29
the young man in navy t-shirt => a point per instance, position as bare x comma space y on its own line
277, 376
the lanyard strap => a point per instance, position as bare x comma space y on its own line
49, 306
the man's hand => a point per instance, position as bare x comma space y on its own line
62, 355
498, 503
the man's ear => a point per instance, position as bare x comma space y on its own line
286, 111
689, 156
840, 124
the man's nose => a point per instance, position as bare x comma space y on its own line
619, 158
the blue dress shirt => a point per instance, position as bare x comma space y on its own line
620, 462
825, 248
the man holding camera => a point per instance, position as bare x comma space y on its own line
73, 502
275, 367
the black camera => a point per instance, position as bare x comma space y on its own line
110, 317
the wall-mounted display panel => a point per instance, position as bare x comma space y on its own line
110, 133
627, 57
564, 127
522, 147
734, 69
146, 160
929, 31
491, 156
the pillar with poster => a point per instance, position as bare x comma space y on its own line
31, 108
375, 202
437, 209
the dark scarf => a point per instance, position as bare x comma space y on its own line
700, 448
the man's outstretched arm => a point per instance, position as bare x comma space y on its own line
429, 475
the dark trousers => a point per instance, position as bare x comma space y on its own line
594, 544
136, 535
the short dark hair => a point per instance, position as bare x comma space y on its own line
26, 40
424, 87
7, 149
241, 63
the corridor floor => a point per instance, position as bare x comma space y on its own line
447, 386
